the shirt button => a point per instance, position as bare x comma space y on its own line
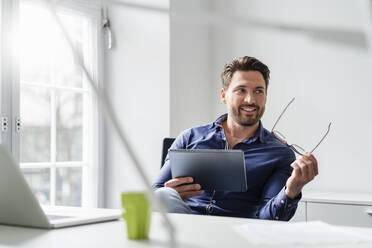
214, 201
209, 209
276, 217
282, 201
289, 205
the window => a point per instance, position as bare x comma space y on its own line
58, 139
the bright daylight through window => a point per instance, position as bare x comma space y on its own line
56, 106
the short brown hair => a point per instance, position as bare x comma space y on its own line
245, 63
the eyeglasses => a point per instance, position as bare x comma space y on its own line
296, 148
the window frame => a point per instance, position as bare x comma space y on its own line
92, 162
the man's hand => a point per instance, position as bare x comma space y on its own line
184, 187
305, 168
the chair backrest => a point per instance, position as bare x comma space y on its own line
167, 142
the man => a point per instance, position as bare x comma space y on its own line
275, 177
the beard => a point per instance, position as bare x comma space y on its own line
245, 120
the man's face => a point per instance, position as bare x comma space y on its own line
245, 97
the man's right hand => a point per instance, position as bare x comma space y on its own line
184, 187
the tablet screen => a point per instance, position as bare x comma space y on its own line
212, 169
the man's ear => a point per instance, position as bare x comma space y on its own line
223, 95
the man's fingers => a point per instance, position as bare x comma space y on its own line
296, 169
187, 187
187, 195
315, 162
304, 169
307, 168
178, 181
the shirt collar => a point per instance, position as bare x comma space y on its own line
259, 135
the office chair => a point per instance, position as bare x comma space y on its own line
167, 142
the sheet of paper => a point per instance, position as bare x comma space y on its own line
299, 233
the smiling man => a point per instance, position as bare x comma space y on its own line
275, 177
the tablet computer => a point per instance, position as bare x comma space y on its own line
212, 169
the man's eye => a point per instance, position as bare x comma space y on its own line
241, 90
259, 91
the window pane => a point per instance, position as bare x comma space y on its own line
44, 53
69, 187
35, 40
65, 71
35, 116
69, 107
39, 181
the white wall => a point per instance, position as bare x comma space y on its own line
317, 51
137, 82
189, 68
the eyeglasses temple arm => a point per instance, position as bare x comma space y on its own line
280, 116
329, 127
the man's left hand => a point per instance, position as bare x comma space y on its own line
305, 168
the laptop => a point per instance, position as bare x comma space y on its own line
19, 206
212, 169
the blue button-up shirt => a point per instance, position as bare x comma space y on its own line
267, 168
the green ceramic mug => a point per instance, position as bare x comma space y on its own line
137, 214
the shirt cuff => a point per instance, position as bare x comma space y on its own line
287, 202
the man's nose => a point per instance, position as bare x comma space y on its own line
249, 98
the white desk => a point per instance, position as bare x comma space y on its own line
193, 232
